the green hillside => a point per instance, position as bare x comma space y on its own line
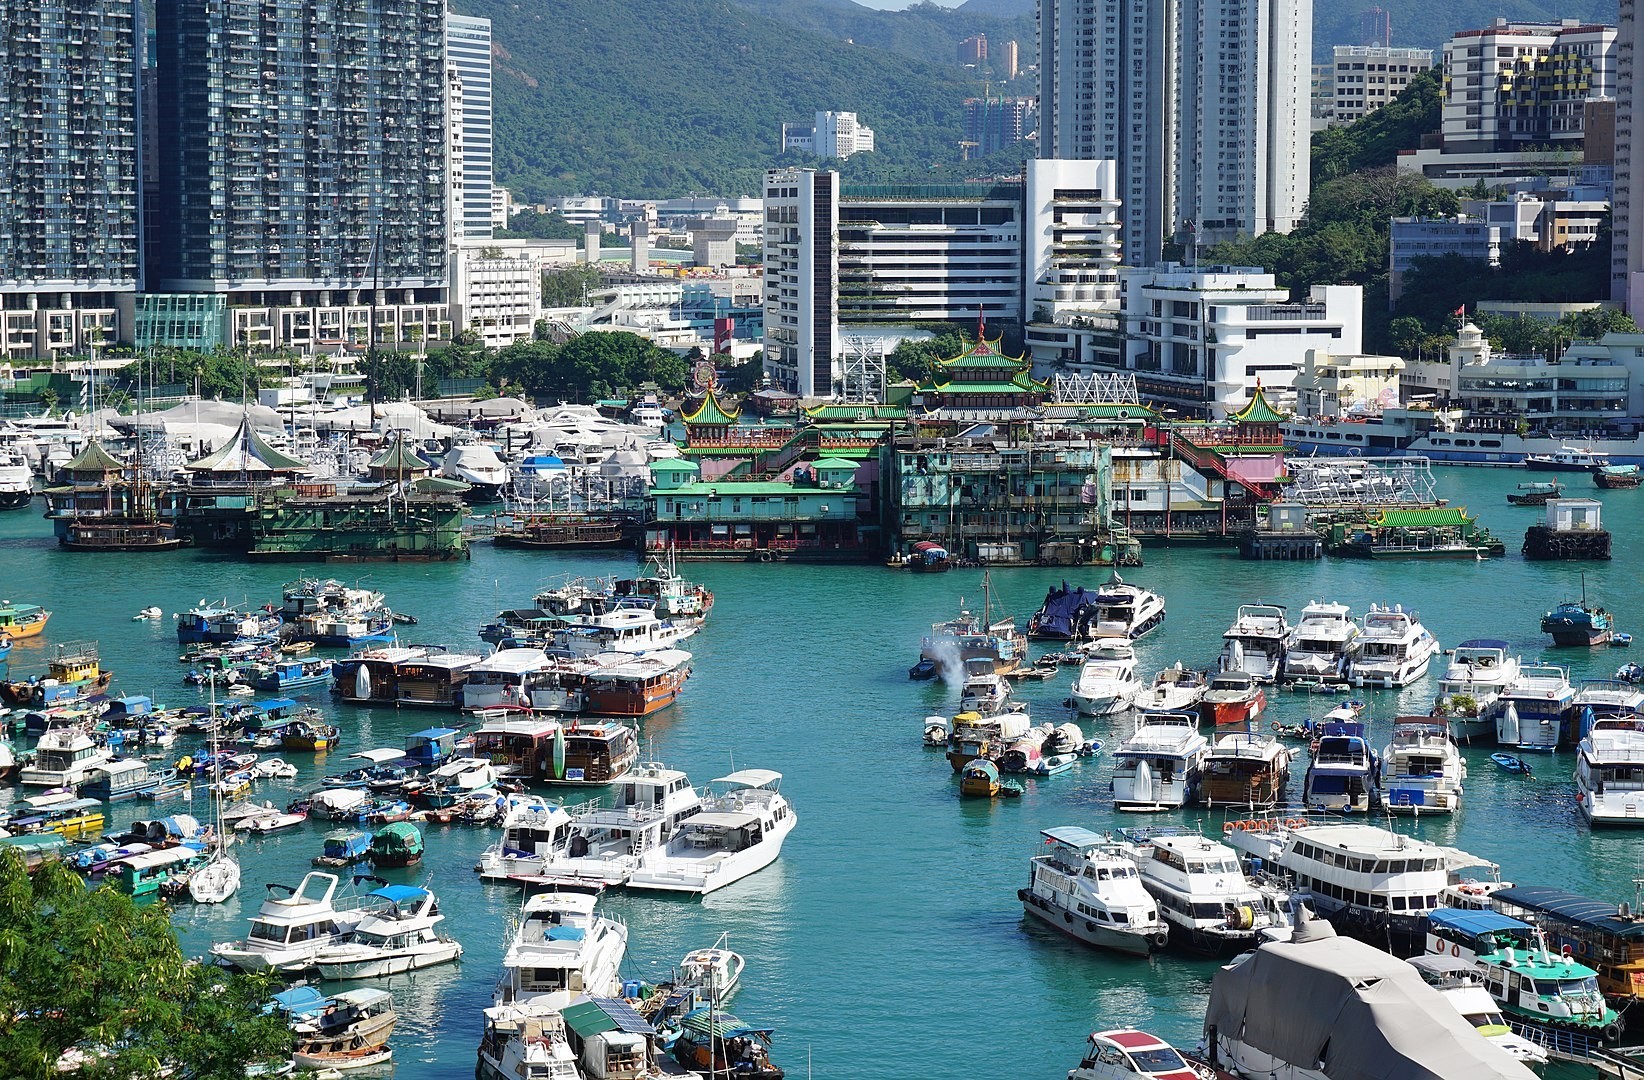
665, 97
924, 31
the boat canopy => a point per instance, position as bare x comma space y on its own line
398, 894
1349, 1010
709, 1023
379, 756
1074, 837
1066, 612
297, 1001
1443, 964
1476, 923
364, 998
595, 1015
1571, 908
750, 778
274, 704
433, 733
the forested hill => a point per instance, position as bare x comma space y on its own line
666, 97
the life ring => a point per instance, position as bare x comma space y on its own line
1455, 950
1294, 823
1227, 827
1240, 826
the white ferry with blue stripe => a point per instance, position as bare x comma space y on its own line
1428, 434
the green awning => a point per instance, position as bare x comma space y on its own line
1438, 516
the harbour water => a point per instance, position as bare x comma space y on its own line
887, 941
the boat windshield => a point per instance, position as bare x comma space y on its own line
262, 931
1214, 866
1164, 1059
1567, 987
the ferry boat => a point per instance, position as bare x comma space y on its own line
1246, 768
1479, 671
1344, 775
66, 756
1609, 937
627, 685
74, 673
1125, 611
1370, 882
561, 950
289, 930
1323, 645
1566, 459
1256, 642
1533, 986
1086, 886
220, 623
1535, 708
1233, 699
1423, 433
1422, 769
589, 752
1107, 681
1202, 893
1160, 766
1573, 623
16, 481
1609, 772
1320, 1007
1394, 648
739, 831
22, 620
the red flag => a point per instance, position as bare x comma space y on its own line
1460, 312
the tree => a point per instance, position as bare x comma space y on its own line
93, 971
1374, 140
570, 286
916, 360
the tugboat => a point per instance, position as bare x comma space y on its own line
1575, 624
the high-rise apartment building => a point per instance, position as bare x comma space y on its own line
994, 124
1203, 104
801, 280
1517, 84
1364, 78
974, 50
303, 149
1009, 61
69, 210
468, 51
1626, 231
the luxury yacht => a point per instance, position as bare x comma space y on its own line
1394, 648
1086, 886
1125, 611
1159, 767
1107, 682
1256, 642
1324, 644
1479, 671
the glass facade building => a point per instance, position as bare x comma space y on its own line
468, 51
302, 144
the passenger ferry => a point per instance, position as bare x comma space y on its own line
1372, 883
1201, 890
1422, 433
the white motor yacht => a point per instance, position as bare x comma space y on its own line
1175, 689
525, 1044
1394, 648
983, 691
1461, 984
1479, 671
607, 844
16, 481
290, 930
1256, 642
66, 756
1161, 765
532, 834
561, 950
1086, 886
739, 830
1609, 772
1125, 611
1107, 682
715, 971
1422, 771
1324, 643
1344, 775
478, 466
623, 630
1534, 708
400, 938
504, 680
1202, 892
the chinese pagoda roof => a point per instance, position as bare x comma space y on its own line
984, 353
710, 412
1258, 411
399, 457
92, 458
247, 452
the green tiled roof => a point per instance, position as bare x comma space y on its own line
94, 459
832, 463
730, 489
1437, 516
1021, 384
854, 412
710, 412
675, 465
398, 456
247, 451
1133, 411
1258, 411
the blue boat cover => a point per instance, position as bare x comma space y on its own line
1571, 908
1472, 922
564, 933
433, 733
1065, 612
274, 704
297, 1001
396, 893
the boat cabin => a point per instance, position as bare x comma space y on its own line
432, 746
595, 753
144, 873
436, 680
611, 1041
515, 746
116, 780
1607, 937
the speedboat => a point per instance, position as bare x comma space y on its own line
1479, 671
1202, 893
1245, 768
561, 950
1535, 708
1609, 781
1175, 689
1131, 1054
1394, 648
740, 830
1323, 645
1422, 771
1233, 699
289, 930
1344, 775
715, 971
1125, 611
399, 938
1159, 767
1107, 682
1086, 886
1256, 642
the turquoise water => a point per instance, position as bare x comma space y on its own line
887, 941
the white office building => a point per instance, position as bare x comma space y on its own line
802, 280
1203, 104
1071, 259
831, 135
468, 52
1412, 238
1202, 339
495, 294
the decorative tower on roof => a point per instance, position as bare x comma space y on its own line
398, 461
710, 420
92, 465
1258, 421
983, 378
